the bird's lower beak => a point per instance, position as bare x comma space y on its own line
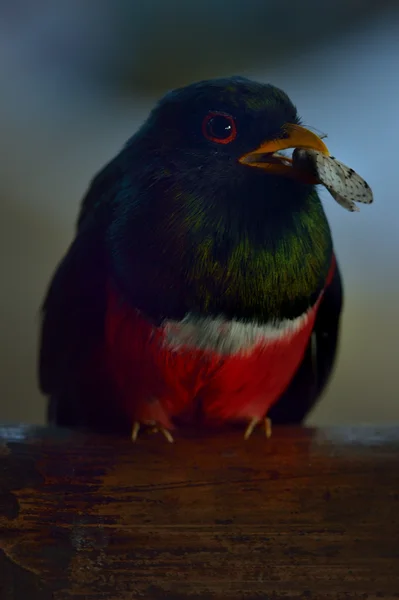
268, 157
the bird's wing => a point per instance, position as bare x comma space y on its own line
317, 365
72, 326
73, 315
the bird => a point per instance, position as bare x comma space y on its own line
201, 288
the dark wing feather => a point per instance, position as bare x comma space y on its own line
73, 317
317, 365
72, 325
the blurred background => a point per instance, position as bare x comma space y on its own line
77, 77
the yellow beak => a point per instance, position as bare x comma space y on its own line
266, 157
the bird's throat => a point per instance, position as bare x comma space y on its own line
278, 279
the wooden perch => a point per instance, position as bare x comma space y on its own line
306, 514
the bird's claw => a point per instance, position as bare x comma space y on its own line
154, 428
254, 423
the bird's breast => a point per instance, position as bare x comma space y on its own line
235, 369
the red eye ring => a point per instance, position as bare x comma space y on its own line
219, 127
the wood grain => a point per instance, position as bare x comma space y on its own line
306, 514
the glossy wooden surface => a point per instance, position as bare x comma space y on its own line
306, 514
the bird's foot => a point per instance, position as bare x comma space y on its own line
254, 423
153, 427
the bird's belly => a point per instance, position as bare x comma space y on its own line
213, 371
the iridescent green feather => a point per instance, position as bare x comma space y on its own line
254, 275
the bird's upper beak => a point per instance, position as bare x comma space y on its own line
267, 156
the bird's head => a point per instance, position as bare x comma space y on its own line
224, 141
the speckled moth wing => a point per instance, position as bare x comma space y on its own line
344, 202
343, 183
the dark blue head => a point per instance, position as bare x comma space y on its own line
221, 141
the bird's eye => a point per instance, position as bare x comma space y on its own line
219, 127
